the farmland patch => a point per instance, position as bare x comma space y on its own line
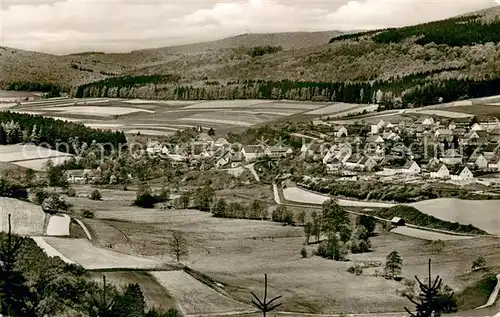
39, 164
426, 235
148, 132
97, 111
441, 113
91, 257
227, 104
26, 219
334, 108
194, 297
21, 152
58, 225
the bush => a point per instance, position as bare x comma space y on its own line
54, 204
145, 200
88, 214
71, 192
303, 253
95, 195
355, 269
40, 195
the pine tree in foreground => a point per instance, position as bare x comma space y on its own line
263, 305
393, 264
430, 304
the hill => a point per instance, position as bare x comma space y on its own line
411, 66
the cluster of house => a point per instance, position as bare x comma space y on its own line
383, 145
218, 153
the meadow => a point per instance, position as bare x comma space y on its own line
31, 156
26, 219
236, 253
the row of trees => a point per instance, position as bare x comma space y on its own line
18, 127
409, 91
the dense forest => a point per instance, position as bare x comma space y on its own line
50, 90
35, 285
459, 31
419, 89
16, 128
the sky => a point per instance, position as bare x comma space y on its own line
69, 26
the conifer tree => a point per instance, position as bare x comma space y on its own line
263, 305
393, 264
430, 300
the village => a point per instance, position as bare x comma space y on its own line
457, 151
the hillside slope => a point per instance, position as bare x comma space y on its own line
412, 66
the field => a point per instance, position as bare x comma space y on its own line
159, 118
442, 113
26, 219
295, 194
155, 295
336, 108
195, 297
31, 156
58, 225
90, 257
426, 235
483, 214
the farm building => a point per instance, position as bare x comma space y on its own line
397, 221
451, 157
251, 152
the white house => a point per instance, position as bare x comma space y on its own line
480, 161
494, 163
251, 152
476, 127
340, 131
464, 175
221, 161
428, 122
391, 136
204, 138
411, 167
440, 172
221, 142
277, 151
443, 133
375, 139
367, 163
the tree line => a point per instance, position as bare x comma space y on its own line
415, 90
51, 90
458, 31
17, 128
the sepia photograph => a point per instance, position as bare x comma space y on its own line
248, 158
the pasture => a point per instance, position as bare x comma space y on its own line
31, 156
484, 214
195, 297
26, 219
91, 257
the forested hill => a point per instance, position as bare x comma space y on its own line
401, 67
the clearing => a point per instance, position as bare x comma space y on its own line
31, 156
195, 297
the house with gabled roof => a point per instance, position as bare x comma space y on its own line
278, 151
375, 139
251, 152
439, 171
451, 157
464, 175
494, 163
491, 150
478, 161
340, 131
411, 167
204, 138
332, 164
367, 163
221, 142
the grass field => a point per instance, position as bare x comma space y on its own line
236, 253
442, 113
26, 219
155, 295
195, 297
58, 225
426, 235
91, 257
31, 156
483, 214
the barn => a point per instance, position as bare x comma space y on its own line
396, 221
